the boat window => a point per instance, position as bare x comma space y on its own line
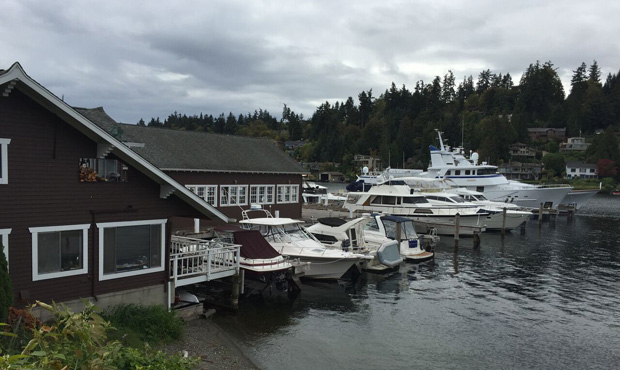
371, 225
423, 210
326, 239
413, 200
486, 171
389, 200
408, 230
448, 173
480, 197
457, 199
457, 172
480, 189
390, 229
467, 172
376, 200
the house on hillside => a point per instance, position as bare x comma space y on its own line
371, 162
574, 144
581, 170
83, 216
520, 150
547, 134
229, 172
520, 171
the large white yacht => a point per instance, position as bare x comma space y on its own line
460, 171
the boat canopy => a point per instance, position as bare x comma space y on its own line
254, 245
332, 221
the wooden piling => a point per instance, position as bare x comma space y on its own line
504, 222
234, 298
540, 215
476, 239
457, 225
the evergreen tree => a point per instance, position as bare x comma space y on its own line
594, 73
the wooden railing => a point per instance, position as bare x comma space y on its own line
195, 260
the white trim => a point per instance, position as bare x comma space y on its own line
257, 201
105, 225
4, 239
17, 72
293, 192
206, 188
228, 196
35, 251
4, 157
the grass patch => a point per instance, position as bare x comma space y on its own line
150, 324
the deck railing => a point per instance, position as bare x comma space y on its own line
193, 260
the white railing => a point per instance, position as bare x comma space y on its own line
201, 260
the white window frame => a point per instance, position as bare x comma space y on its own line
35, 251
226, 194
206, 189
104, 225
4, 239
4, 157
255, 199
288, 191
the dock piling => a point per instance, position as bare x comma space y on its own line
457, 224
504, 222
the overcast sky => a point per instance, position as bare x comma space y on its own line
143, 59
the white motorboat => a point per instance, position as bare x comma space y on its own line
459, 171
413, 247
290, 238
350, 235
401, 200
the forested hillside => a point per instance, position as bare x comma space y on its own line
487, 114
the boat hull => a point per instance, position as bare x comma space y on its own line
577, 198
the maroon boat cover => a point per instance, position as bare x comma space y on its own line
254, 245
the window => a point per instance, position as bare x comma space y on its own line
233, 195
261, 194
59, 251
131, 248
102, 170
4, 240
288, 193
4, 161
206, 192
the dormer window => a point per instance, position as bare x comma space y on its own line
4, 161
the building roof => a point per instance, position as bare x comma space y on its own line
176, 150
16, 77
579, 164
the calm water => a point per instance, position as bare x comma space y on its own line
539, 300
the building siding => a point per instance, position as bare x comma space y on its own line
44, 190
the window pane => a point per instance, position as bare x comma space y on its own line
59, 251
132, 247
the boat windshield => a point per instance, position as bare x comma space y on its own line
295, 232
406, 227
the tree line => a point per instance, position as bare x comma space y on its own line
486, 115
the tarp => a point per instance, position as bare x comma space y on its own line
254, 245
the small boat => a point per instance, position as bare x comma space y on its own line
289, 238
262, 267
615, 192
349, 235
377, 233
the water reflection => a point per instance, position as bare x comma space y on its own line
525, 300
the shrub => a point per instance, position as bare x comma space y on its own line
6, 287
79, 341
153, 324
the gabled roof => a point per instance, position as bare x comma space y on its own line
175, 150
580, 164
16, 77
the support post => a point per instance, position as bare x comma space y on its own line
235, 291
504, 222
540, 214
457, 225
476, 239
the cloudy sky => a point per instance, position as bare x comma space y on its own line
143, 59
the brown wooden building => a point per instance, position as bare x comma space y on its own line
229, 172
83, 215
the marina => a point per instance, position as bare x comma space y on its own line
544, 298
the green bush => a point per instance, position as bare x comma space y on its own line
79, 341
152, 324
6, 287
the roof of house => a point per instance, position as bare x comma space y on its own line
579, 164
16, 77
176, 150
545, 129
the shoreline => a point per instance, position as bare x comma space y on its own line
217, 349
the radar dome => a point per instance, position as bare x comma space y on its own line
474, 157
365, 170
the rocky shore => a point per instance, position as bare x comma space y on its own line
216, 349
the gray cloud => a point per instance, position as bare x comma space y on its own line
143, 59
